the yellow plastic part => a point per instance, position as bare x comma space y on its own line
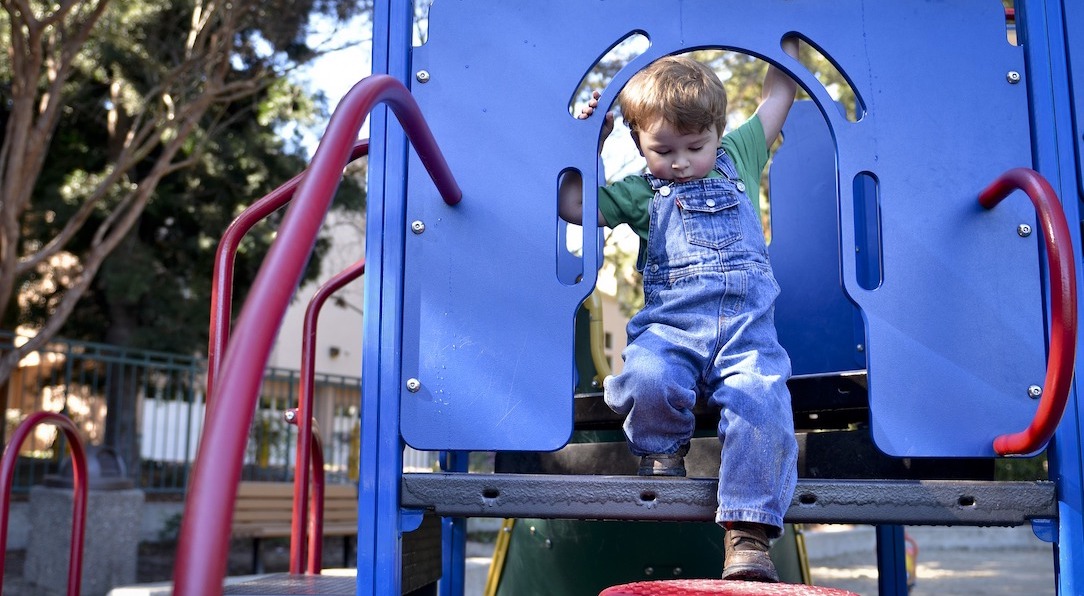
500, 550
598, 350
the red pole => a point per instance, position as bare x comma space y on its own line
222, 278
79, 484
305, 436
1061, 356
203, 545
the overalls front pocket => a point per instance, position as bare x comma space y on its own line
711, 221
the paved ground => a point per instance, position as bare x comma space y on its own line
997, 561
951, 561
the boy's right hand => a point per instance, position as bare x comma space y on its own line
607, 124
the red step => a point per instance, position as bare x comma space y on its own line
714, 587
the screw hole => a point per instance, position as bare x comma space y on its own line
807, 498
490, 493
648, 496
966, 501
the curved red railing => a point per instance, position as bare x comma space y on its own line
316, 522
316, 516
222, 304
222, 278
1061, 356
204, 538
304, 417
79, 485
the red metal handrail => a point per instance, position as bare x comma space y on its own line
79, 485
204, 538
222, 278
221, 306
1061, 355
316, 516
316, 521
305, 399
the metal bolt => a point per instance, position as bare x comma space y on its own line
677, 571
290, 416
1012, 77
413, 385
1023, 230
649, 571
549, 543
860, 348
423, 76
1035, 391
417, 226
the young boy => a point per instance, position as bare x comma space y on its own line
707, 326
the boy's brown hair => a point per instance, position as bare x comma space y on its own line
677, 89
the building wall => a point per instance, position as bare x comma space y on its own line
613, 325
339, 326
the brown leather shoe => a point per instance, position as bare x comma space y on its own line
747, 554
664, 464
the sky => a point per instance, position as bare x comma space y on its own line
335, 73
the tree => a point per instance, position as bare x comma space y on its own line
160, 83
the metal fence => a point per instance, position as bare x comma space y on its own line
149, 407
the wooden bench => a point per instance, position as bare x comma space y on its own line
265, 509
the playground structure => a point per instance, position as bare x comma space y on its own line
916, 283
958, 313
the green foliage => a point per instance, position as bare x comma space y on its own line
1022, 468
171, 529
154, 291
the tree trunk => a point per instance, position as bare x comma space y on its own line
123, 384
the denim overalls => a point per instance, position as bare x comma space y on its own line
708, 328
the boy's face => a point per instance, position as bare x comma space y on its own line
677, 156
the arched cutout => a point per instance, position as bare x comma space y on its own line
1010, 22
598, 77
420, 34
741, 73
835, 82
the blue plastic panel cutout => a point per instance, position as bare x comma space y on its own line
954, 330
818, 324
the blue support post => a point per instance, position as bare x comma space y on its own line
380, 462
1048, 32
891, 561
453, 535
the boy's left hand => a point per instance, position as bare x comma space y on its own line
607, 124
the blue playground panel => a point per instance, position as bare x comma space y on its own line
817, 323
487, 323
886, 261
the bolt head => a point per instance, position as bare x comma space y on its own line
1012, 77
422, 76
413, 385
1023, 230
